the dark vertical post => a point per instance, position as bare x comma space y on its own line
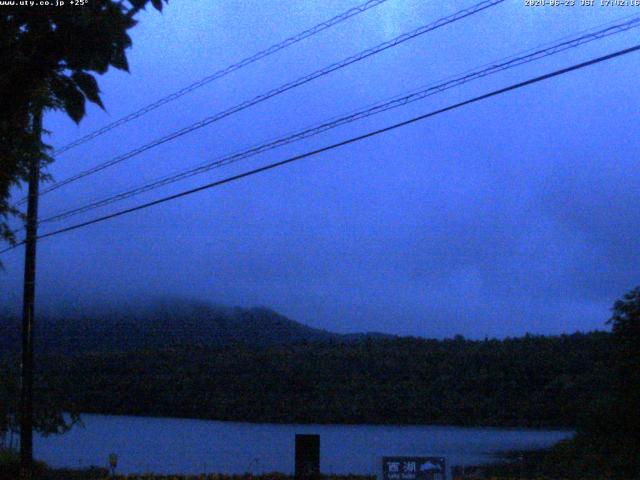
307, 457
26, 373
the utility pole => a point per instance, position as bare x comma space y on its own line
28, 302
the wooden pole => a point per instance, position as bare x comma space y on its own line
27, 366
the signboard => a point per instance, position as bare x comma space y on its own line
113, 462
414, 468
307, 457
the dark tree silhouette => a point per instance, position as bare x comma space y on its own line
48, 56
625, 323
608, 441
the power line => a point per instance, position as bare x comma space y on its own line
271, 166
396, 102
221, 73
592, 30
279, 90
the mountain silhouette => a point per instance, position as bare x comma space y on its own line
166, 323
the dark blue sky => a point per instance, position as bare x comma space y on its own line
518, 214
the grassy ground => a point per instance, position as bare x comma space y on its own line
518, 466
267, 476
9, 468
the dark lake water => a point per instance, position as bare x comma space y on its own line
172, 445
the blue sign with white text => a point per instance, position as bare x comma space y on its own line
413, 468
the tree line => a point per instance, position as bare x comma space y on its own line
533, 381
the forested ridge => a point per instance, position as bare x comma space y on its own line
163, 324
532, 381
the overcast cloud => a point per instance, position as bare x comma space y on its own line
517, 214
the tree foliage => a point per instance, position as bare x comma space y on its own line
48, 58
625, 324
530, 381
608, 441
54, 412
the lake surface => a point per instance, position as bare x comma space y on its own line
172, 445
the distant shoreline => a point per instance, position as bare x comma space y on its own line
345, 424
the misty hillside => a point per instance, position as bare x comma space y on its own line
165, 324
